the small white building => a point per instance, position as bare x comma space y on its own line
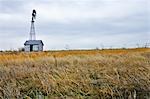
33, 45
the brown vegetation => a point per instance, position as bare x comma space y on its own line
74, 74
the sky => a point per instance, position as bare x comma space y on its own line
76, 24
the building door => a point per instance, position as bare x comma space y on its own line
31, 48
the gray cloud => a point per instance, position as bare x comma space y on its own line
79, 23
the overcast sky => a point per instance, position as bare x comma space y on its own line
75, 23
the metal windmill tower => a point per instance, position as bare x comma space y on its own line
32, 29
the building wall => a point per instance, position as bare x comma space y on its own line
40, 47
27, 48
35, 48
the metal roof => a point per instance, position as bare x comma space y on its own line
33, 42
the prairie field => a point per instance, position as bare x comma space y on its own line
76, 74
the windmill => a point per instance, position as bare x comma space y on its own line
32, 29
32, 44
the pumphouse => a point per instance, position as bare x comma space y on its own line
33, 45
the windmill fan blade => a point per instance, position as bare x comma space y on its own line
34, 14
34, 11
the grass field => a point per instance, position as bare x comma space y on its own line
76, 74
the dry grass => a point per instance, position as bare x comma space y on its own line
90, 74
